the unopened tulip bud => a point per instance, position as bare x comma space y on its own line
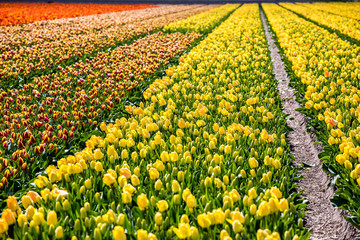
83, 213
59, 232
97, 234
66, 205
52, 218
22, 220
177, 199
194, 233
77, 225
121, 219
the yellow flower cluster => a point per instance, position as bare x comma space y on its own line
327, 75
203, 157
345, 25
345, 9
202, 22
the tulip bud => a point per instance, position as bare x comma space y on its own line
158, 219
142, 234
177, 199
237, 226
126, 197
66, 205
180, 176
87, 222
82, 190
51, 230
58, 207
22, 220
121, 219
77, 225
253, 209
300, 223
175, 186
194, 233
59, 232
52, 218
97, 234
158, 185
97, 197
184, 219
83, 213
208, 182
287, 235
88, 184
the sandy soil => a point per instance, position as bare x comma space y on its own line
326, 221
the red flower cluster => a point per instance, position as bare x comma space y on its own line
16, 13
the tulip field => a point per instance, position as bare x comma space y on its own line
165, 121
326, 74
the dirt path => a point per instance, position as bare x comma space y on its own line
325, 220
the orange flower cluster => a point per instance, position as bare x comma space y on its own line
42, 117
36, 48
17, 13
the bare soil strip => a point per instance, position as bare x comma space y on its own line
326, 221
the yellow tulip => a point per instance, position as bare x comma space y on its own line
22, 220
142, 201
12, 203
119, 233
59, 232
175, 186
264, 209
253, 163
3, 226
98, 154
112, 152
39, 219
108, 179
219, 216
142, 234
183, 231
158, 219
152, 236
237, 226
181, 123
252, 193
203, 220
153, 173
99, 167
8, 216
126, 197
275, 192
162, 205
191, 201
52, 218
284, 205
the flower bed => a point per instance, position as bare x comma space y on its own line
204, 157
325, 72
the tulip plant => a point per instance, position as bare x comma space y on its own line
204, 156
325, 71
